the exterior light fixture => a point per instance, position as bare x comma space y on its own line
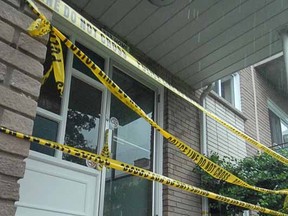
161, 3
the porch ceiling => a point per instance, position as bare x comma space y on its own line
198, 41
274, 72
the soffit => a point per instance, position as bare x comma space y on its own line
274, 72
198, 41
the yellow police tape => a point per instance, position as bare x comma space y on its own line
40, 27
136, 171
87, 27
207, 165
105, 152
57, 65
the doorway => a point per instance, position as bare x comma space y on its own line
59, 184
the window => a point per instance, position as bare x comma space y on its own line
279, 129
46, 123
229, 89
80, 120
278, 125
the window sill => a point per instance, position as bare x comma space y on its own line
227, 105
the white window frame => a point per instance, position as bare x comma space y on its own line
277, 111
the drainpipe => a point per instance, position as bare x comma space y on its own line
203, 139
255, 103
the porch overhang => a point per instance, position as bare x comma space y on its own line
275, 73
197, 41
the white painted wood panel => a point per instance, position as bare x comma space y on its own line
252, 32
142, 11
269, 50
250, 36
242, 53
54, 187
193, 28
96, 8
221, 30
80, 4
163, 15
194, 38
117, 11
188, 14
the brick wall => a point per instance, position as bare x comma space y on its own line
182, 120
219, 139
248, 106
264, 91
21, 59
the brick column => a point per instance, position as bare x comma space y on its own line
21, 59
181, 120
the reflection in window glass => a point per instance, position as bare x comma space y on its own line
83, 118
278, 128
131, 143
226, 89
275, 128
46, 129
98, 60
284, 130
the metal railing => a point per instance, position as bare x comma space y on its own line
280, 146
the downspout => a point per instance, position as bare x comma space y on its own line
255, 103
203, 139
203, 142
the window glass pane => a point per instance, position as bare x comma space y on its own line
98, 60
46, 129
216, 87
49, 98
83, 118
275, 128
132, 143
226, 90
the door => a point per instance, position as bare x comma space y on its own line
132, 142
60, 184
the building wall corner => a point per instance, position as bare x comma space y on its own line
21, 59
